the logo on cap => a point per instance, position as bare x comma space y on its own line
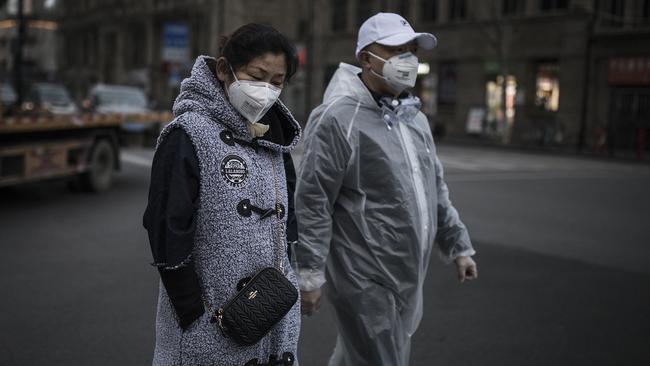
404, 22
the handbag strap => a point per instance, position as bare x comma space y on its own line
279, 218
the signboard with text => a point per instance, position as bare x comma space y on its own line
629, 71
176, 42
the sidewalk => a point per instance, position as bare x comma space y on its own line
478, 142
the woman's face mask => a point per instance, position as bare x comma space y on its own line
400, 71
252, 98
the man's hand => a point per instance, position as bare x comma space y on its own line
310, 301
466, 269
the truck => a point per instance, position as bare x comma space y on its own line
81, 148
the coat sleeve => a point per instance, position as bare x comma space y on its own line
170, 220
320, 178
452, 235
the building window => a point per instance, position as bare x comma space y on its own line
614, 13
549, 5
513, 7
547, 94
339, 14
428, 10
457, 9
447, 82
364, 11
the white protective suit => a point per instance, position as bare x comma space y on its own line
370, 202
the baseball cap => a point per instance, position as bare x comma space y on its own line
391, 29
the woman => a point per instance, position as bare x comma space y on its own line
227, 145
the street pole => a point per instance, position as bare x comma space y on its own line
18, 53
587, 70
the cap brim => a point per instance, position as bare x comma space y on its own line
425, 40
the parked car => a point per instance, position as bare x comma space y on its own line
104, 98
121, 99
51, 98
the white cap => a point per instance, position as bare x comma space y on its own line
391, 29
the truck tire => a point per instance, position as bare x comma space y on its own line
99, 177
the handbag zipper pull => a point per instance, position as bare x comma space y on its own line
220, 317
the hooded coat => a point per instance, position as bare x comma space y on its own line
370, 202
228, 244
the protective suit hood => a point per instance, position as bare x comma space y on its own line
346, 83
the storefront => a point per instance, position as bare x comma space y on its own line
629, 104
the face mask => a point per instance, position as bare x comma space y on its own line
252, 98
400, 71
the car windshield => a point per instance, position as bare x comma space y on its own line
122, 96
53, 94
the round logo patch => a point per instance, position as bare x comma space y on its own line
234, 170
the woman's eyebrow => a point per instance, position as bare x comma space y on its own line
264, 71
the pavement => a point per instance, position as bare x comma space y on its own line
563, 255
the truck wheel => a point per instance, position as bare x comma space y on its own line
99, 177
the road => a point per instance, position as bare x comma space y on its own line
563, 250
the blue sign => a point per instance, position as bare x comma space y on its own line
176, 40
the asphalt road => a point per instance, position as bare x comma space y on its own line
563, 252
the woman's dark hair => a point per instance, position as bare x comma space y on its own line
253, 40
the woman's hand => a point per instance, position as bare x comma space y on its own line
466, 269
310, 301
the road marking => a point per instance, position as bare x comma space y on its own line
136, 160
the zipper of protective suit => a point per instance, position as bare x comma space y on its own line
279, 212
417, 184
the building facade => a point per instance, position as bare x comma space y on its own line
553, 73
153, 43
40, 44
536, 72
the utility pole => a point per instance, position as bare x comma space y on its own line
18, 52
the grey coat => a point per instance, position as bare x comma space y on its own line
227, 246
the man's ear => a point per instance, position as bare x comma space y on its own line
223, 70
364, 60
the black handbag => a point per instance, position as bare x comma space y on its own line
262, 301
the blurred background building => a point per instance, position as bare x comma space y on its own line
40, 44
552, 73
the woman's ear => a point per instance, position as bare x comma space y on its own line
223, 69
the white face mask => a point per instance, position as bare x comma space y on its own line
400, 71
252, 98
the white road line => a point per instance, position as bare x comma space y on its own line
136, 160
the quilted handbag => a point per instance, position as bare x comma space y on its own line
263, 301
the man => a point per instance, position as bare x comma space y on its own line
371, 200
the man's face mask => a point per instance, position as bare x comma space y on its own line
400, 71
252, 98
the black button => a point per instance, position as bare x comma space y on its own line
288, 358
244, 208
226, 137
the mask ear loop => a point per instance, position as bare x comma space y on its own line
233, 72
373, 71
